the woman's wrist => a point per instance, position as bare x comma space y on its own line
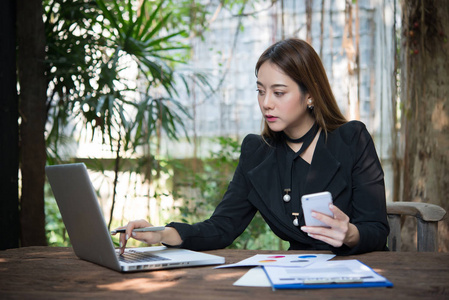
352, 236
170, 236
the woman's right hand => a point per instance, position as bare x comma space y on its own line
169, 235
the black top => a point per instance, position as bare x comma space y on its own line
291, 162
345, 163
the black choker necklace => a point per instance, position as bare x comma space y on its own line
311, 131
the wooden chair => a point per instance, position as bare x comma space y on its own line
427, 216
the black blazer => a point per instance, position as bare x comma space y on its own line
345, 163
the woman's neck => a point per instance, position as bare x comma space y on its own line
300, 130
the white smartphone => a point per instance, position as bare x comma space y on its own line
318, 202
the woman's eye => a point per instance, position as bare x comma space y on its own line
278, 94
260, 92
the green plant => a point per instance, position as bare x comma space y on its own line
91, 45
54, 227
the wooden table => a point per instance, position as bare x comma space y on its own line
55, 273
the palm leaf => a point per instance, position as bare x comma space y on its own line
149, 22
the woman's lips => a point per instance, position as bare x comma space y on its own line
270, 118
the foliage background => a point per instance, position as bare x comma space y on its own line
72, 83
90, 44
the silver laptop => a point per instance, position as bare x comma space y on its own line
90, 237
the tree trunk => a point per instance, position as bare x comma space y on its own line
31, 56
309, 12
425, 94
9, 129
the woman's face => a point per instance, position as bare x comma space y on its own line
282, 103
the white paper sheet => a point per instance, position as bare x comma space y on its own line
281, 260
254, 277
339, 271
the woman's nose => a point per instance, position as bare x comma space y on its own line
267, 102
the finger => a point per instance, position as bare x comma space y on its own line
114, 232
327, 235
138, 236
122, 241
133, 225
328, 220
319, 232
339, 221
142, 236
124, 237
327, 239
148, 237
337, 230
338, 213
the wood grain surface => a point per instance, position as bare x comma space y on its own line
56, 273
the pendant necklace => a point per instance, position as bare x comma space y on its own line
306, 140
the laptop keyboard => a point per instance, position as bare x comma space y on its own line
138, 257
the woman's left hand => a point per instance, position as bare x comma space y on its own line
341, 232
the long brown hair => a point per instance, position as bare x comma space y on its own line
298, 60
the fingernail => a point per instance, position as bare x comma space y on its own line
133, 234
309, 234
313, 214
127, 237
121, 245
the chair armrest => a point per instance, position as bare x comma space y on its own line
427, 216
424, 211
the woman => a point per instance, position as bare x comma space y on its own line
306, 146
